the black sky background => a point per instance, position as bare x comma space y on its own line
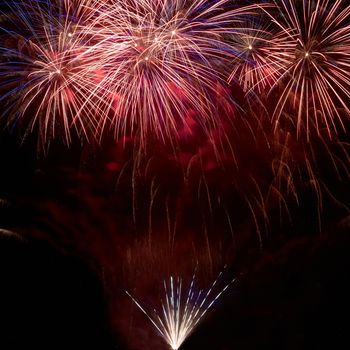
292, 294
68, 226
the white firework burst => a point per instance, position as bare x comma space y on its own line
181, 309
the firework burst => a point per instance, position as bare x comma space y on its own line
162, 59
43, 69
261, 55
181, 310
316, 77
136, 65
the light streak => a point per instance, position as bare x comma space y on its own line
316, 79
181, 310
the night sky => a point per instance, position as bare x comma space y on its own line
81, 223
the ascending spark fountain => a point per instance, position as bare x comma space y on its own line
181, 310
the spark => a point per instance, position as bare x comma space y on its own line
316, 78
162, 58
261, 55
181, 310
43, 75
159, 60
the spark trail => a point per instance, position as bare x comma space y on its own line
316, 76
181, 310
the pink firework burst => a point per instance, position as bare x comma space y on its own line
316, 79
43, 69
261, 56
161, 59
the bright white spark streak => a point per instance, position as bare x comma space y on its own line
181, 311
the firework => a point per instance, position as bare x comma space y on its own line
162, 59
261, 55
142, 65
181, 310
316, 79
43, 69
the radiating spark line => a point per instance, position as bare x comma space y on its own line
261, 55
163, 58
135, 65
44, 72
181, 311
316, 74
